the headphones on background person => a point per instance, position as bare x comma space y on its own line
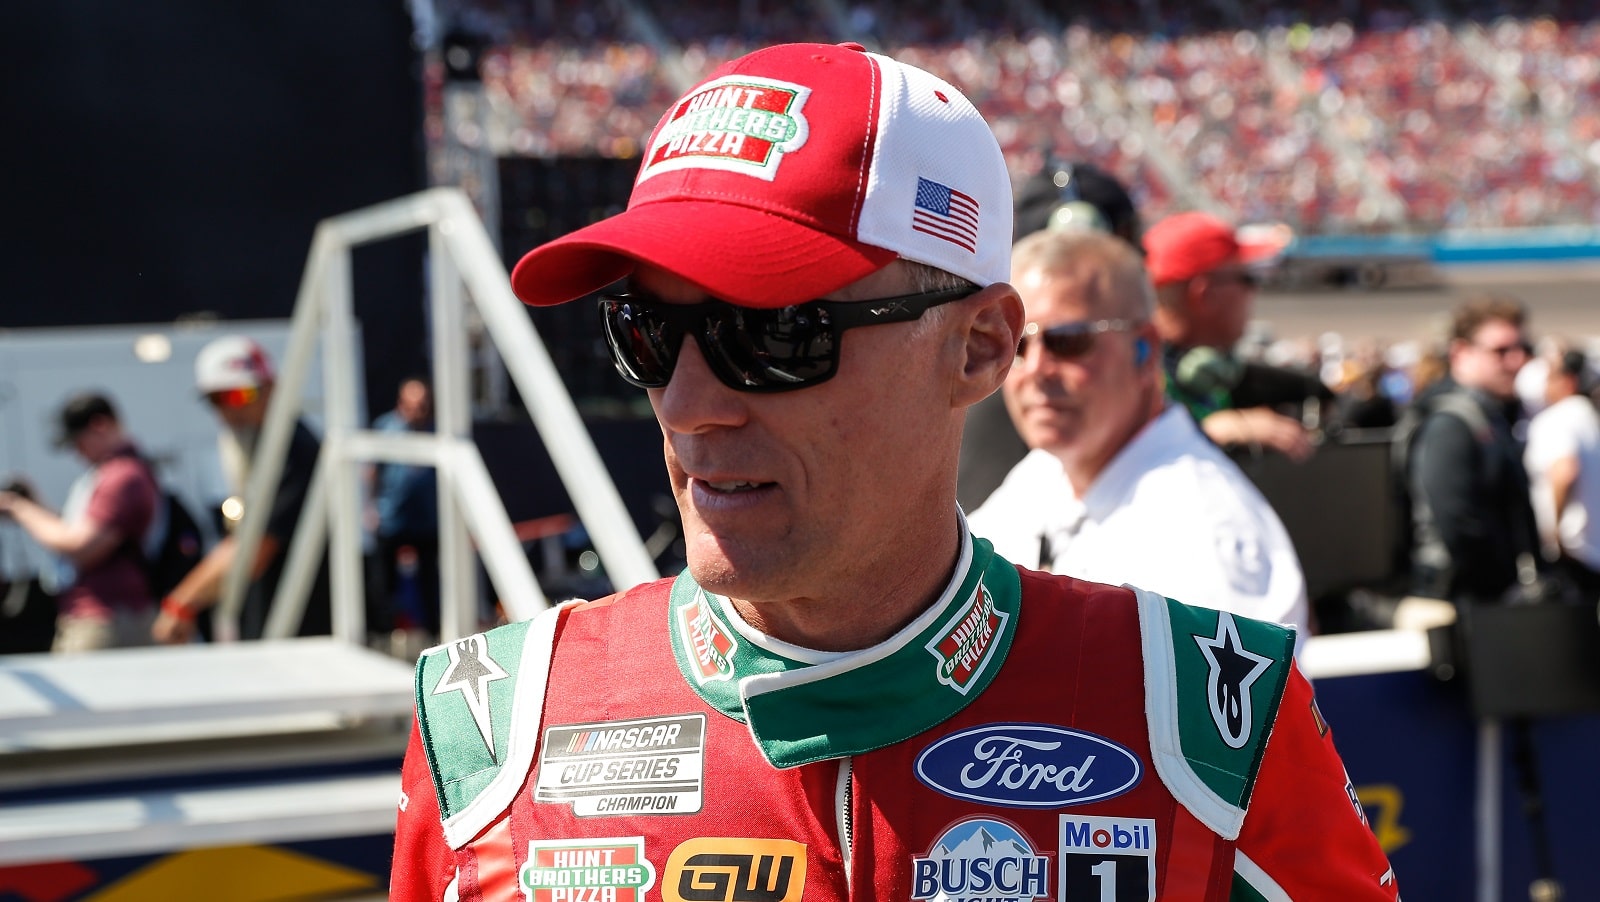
1141, 351
1067, 196
1072, 213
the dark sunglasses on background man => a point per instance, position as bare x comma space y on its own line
233, 397
1069, 341
1245, 277
1522, 348
749, 349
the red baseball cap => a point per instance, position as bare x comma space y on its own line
1186, 245
792, 172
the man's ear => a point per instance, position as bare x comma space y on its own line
994, 320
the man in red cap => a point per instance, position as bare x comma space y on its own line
842, 696
1205, 289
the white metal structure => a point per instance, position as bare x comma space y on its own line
460, 255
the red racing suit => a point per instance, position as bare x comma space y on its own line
1029, 737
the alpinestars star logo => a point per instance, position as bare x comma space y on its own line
1233, 670
470, 672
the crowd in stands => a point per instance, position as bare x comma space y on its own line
1338, 116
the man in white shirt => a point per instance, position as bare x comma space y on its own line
1120, 486
1563, 461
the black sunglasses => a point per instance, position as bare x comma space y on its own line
1069, 341
749, 349
1244, 277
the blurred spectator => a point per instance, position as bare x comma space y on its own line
1533, 380
1351, 120
1563, 461
100, 531
1473, 532
1121, 487
405, 523
1430, 375
237, 378
1362, 403
1205, 289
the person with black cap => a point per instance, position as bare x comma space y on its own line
1061, 197
847, 694
101, 529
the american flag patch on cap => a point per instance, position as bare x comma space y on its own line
943, 212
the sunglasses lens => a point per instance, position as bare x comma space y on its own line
232, 397
749, 349
1068, 345
1060, 345
771, 350
644, 347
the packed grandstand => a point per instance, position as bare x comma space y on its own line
1340, 116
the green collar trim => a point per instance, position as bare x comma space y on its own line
804, 706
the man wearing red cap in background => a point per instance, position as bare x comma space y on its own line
846, 694
1205, 289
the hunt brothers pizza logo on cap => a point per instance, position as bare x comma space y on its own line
966, 642
738, 123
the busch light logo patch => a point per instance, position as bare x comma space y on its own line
648, 766
964, 645
981, 860
707, 643
1108, 858
572, 870
1022, 765
738, 123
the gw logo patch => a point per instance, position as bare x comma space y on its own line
735, 870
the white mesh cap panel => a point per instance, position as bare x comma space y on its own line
931, 136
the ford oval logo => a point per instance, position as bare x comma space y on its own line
1028, 765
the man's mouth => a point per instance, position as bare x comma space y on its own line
734, 486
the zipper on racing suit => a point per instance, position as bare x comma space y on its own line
841, 800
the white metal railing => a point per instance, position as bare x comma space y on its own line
460, 256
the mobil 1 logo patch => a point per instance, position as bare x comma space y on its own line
653, 765
1107, 859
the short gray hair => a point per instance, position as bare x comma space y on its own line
925, 278
931, 278
1108, 268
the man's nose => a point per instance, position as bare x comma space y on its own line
694, 399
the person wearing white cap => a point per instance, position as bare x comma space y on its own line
236, 377
846, 694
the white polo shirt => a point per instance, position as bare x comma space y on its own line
1170, 513
1568, 428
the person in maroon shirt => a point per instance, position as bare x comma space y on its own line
99, 531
